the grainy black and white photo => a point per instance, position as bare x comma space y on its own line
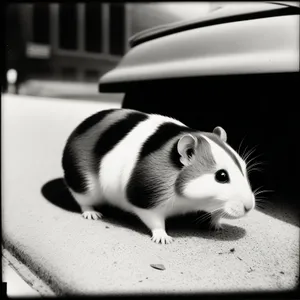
150, 148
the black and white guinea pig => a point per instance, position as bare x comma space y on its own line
154, 167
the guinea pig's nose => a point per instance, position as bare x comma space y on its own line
247, 208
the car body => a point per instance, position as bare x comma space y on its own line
238, 39
237, 67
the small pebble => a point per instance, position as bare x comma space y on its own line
281, 272
158, 267
232, 250
106, 227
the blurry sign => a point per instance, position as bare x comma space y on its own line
38, 51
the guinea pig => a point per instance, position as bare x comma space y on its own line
155, 167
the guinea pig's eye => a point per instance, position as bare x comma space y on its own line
222, 176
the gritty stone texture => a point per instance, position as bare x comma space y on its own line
77, 256
20, 280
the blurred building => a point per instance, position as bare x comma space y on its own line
81, 41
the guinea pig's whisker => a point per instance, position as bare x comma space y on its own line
223, 214
241, 144
257, 189
260, 206
255, 169
263, 203
262, 200
206, 215
202, 218
256, 193
244, 152
249, 153
252, 159
257, 163
246, 155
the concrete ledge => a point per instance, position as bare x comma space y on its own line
32, 285
113, 256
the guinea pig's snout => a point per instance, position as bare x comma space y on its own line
239, 207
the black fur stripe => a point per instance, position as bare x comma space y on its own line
115, 134
213, 137
72, 174
91, 121
142, 191
160, 137
73, 177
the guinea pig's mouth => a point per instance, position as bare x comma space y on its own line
231, 217
234, 210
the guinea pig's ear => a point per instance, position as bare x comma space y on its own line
221, 133
186, 147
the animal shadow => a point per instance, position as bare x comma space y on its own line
56, 192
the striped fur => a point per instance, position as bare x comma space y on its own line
96, 148
71, 162
130, 159
152, 173
116, 133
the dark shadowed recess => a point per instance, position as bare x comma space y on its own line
57, 193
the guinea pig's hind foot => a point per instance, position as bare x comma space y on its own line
160, 236
89, 213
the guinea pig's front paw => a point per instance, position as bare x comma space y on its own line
160, 236
92, 215
217, 226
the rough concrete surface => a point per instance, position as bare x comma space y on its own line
78, 256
